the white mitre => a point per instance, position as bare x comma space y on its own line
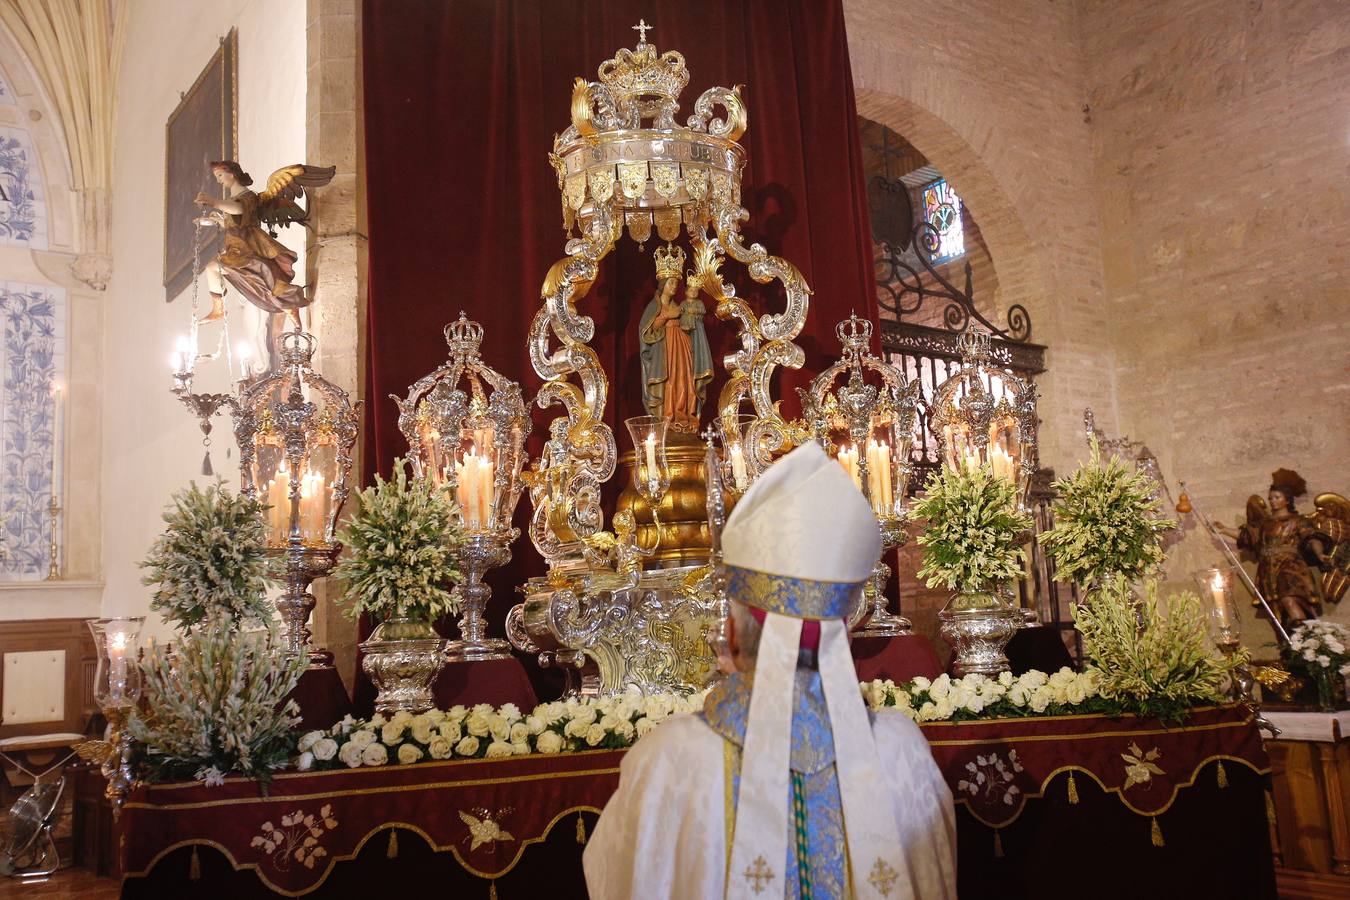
804, 518
799, 545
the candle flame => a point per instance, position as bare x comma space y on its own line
119, 641
1217, 581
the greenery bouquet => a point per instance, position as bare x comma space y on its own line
210, 562
401, 542
974, 529
1107, 525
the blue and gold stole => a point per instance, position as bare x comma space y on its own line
818, 854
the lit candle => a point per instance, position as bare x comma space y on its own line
57, 410
649, 447
279, 495
313, 506
474, 489
117, 670
879, 474
848, 458
243, 351
1217, 589
739, 473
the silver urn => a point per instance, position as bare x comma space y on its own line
403, 657
979, 625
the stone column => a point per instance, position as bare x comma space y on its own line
336, 253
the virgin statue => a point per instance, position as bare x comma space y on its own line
253, 261
676, 359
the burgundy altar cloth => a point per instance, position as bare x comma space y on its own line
495, 681
897, 658
1048, 808
322, 698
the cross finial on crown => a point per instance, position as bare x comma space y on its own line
642, 28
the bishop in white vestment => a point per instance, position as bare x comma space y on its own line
784, 785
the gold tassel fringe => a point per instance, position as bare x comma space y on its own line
1157, 834
391, 852
1073, 789
581, 829
1221, 776
492, 889
195, 866
998, 844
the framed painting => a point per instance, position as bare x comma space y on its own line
203, 127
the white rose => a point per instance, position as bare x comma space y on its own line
456, 713
1040, 699
940, 689
625, 730
344, 726
483, 709
510, 712
1033, 679
434, 716
534, 725
921, 684
350, 754
308, 740
325, 749
1310, 654
421, 730
975, 703
450, 730
409, 753
1324, 661
519, 732
594, 735
498, 749
403, 717
305, 762
439, 748
500, 729
643, 725
520, 748
575, 728
549, 742
584, 714
363, 738
392, 732
1005, 678
375, 755
467, 746
1018, 695
478, 724
378, 720
1076, 692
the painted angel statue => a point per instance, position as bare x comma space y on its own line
1302, 559
253, 261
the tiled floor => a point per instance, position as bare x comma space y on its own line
67, 884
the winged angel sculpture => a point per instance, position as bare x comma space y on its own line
1302, 559
253, 261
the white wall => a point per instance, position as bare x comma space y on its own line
151, 444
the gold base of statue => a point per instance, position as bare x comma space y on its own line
684, 535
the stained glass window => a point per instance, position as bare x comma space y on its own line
942, 210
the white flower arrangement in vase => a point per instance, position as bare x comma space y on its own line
1318, 649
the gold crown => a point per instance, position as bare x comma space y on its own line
464, 336
669, 261
643, 74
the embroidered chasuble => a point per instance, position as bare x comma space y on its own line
666, 830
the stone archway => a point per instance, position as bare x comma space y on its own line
1020, 277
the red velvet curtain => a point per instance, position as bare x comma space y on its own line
463, 98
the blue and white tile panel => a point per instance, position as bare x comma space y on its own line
23, 208
32, 357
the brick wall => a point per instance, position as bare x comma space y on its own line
1220, 153
1163, 186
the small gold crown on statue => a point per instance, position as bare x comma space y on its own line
643, 74
669, 261
464, 337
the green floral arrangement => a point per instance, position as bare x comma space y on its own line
401, 550
974, 528
218, 705
1106, 524
1152, 661
210, 562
